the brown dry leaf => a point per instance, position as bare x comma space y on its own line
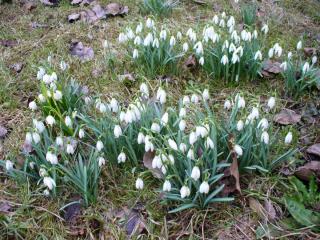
314, 149
268, 206
286, 117
135, 224
310, 51
147, 162
16, 67
257, 207
234, 170
50, 2
99, 11
29, 6
73, 17
114, 9
72, 212
191, 62
8, 43
3, 132
271, 67
79, 50
126, 77
82, 2
308, 170
5, 208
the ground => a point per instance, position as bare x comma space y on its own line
45, 31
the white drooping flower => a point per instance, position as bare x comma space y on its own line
224, 60
284, 66
57, 95
263, 123
122, 38
135, 54
265, 137
182, 125
241, 102
172, 41
209, 143
289, 55
52, 158
63, 65
70, 149
68, 121
122, 157
240, 125
271, 102
235, 58
314, 60
33, 106
149, 23
190, 154
185, 47
41, 98
28, 138
271, 52
139, 184
305, 68
161, 96
215, 19
165, 119
194, 98
101, 161
41, 72
9, 165
183, 147
117, 131
36, 137
299, 45
254, 113
258, 55
148, 40
205, 94
186, 100
139, 28
163, 34
99, 146
141, 137
204, 187
50, 120
238, 150
184, 192
155, 127
179, 35
49, 182
195, 173
201, 61
193, 138
265, 29
114, 106
137, 40
144, 89
202, 131
81, 133
166, 186
156, 162
39, 126
59, 141
227, 105
199, 48
288, 138
173, 144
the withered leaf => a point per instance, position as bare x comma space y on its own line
257, 207
147, 162
79, 50
310, 51
135, 224
72, 212
99, 11
17, 67
268, 206
114, 9
50, 2
125, 77
73, 17
286, 117
314, 149
29, 6
308, 170
191, 62
3, 131
271, 67
8, 43
5, 207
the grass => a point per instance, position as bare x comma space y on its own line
35, 217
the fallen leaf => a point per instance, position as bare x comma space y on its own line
29, 6
135, 224
79, 50
147, 162
17, 67
27, 148
72, 212
310, 51
191, 62
3, 132
8, 43
257, 207
314, 149
73, 17
50, 2
271, 67
99, 11
125, 77
5, 208
115, 9
286, 117
308, 170
82, 2
268, 206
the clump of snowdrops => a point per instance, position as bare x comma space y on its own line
192, 146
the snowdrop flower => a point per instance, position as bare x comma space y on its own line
102, 108
63, 65
32, 165
231, 22
235, 58
130, 33
284, 66
28, 138
193, 138
166, 186
182, 112
265, 137
179, 35
144, 89
263, 124
185, 47
39, 125
114, 106
305, 68
222, 23
241, 102
41, 72
299, 45
289, 55
227, 105
9, 165
87, 100
232, 48
183, 147
184, 192
155, 127
271, 102
156, 162
149, 23
288, 138
128, 117
204, 187
139, 184
255, 34
215, 19
195, 173
36, 137
50, 120
42, 172
199, 48
163, 34
148, 146
173, 144
148, 40
172, 41
224, 60
46, 192
122, 38
194, 98
161, 96
238, 150
165, 119
117, 131
201, 131
122, 157
137, 40
240, 125
99, 146
314, 59
271, 52
57, 95
205, 94
190, 154
70, 149
41, 98
52, 158
277, 50
258, 56
101, 161
201, 61
140, 139
156, 43
265, 29
59, 141
49, 182
46, 79
182, 125
135, 54
209, 143
186, 100
139, 28
105, 44
33, 106
254, 113
68, 121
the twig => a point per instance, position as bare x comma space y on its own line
202, 228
